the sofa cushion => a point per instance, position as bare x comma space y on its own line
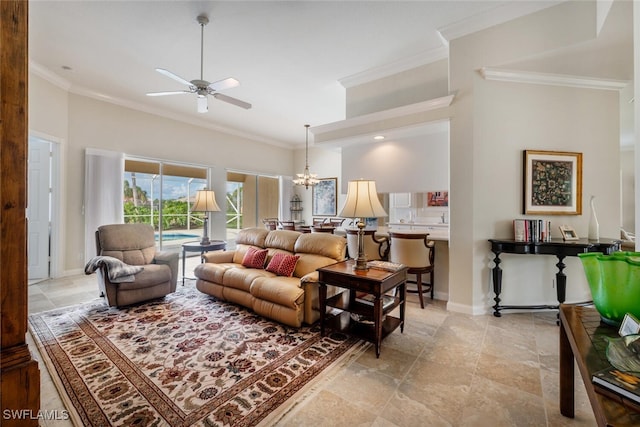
309, 263
285, 291
241, 278
282, 264
213, 272
324, 244
252, 236
282, 239
254, 258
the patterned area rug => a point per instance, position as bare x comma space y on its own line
184, 360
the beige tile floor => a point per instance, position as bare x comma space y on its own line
446, 369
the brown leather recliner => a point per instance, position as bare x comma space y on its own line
134, 244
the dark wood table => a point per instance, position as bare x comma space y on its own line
214, 245
372, 281
583, 338
558, 247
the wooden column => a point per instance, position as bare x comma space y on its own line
19, 373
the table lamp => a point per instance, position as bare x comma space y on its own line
205, 202
362, 202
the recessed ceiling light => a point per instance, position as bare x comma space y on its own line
378, 137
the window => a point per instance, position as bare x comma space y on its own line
250, 198
161, 194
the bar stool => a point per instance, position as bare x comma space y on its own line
417, 253
374, 247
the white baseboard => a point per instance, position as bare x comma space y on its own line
74, 272
468, 309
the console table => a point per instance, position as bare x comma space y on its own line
558, 247
214, 245
372, 281
582, 337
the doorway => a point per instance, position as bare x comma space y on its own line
42, 167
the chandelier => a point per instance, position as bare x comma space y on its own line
307, 179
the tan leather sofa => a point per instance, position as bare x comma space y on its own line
289, 300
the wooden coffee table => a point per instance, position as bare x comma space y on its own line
372, 281
583, 338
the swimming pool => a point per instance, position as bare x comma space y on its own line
177, 236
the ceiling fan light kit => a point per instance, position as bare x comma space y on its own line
201, 87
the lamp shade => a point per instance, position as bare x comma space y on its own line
205, 202
362, 201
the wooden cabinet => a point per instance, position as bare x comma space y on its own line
295, 207
19, 372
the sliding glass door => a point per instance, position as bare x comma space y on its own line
250, 199
161, 194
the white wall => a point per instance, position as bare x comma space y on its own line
87, 122
627, 183
408, 87
569, 119
493, 122
324, 162
400, 166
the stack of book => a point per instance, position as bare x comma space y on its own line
531, 230
368, 299
385, 265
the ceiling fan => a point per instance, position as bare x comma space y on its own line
201, 87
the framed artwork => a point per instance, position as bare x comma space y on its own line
325, 197
568, 233
552, 183
437, 198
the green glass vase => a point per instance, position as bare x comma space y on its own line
614, 281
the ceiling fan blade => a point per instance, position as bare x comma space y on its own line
231, 100
174, 92
203, 104
224, 84
173, 76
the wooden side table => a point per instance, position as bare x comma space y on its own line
214, 245
372, 281
583, 338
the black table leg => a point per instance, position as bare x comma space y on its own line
561, 279
184, 253
497, 284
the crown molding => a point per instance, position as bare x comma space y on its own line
174, 116
396, 67
49, 75
549, 79
78, 90
400, 121
378, 116
497, 15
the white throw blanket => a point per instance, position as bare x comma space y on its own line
117, 270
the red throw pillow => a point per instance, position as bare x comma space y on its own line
283, 264
254, 258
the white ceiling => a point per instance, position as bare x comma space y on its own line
289, 56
